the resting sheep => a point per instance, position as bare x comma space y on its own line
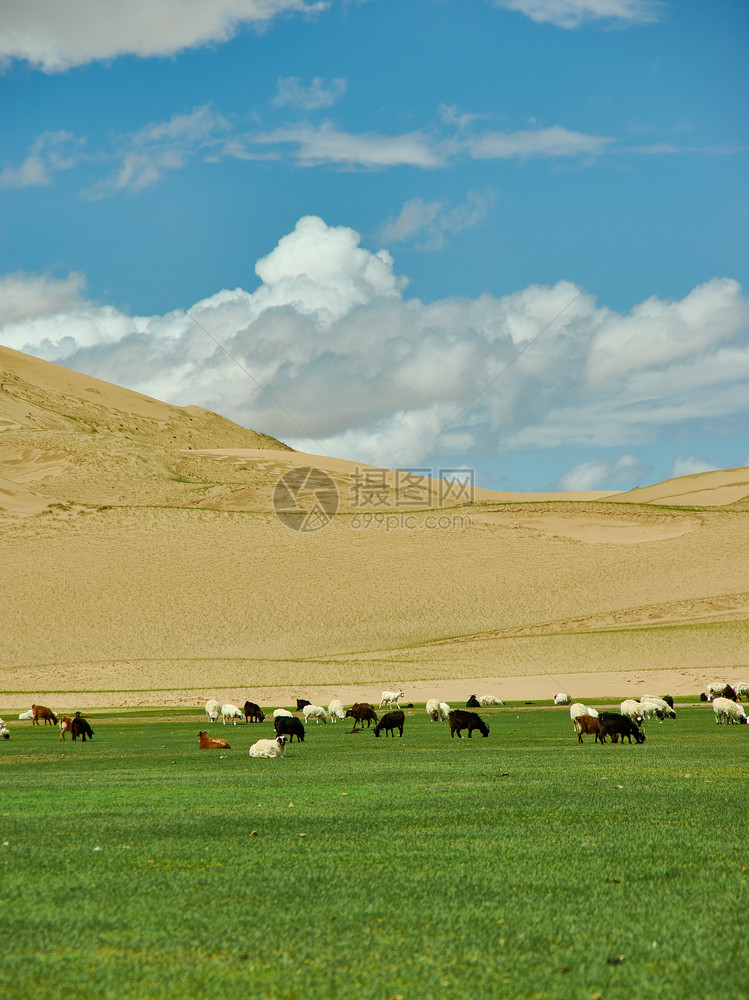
206, 742
269, 748
25, 716
231, 712
289, 727
212, 709
726, 709
315, 712
390, 697
460, 720
390, 722
335, 710
487, 700
562, 699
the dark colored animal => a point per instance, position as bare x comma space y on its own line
612, 723
459, 720
79, 727
301, 702
473, 702
253, 713
362, 712
590, 725
291, 727
390, 722
206, 742
730, 693
42, 712
703, 696
668, 700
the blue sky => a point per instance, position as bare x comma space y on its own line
510, 236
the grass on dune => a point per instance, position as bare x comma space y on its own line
518, 866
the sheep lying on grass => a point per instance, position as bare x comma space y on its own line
206, 742
269, 748
487, 700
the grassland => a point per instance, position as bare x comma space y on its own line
521, 866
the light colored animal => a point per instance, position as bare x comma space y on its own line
632, 709
5, 732
742, 690
665, 709
206, 742
726, 709
212, 709
315, 712
231, 712
648, 709
444, 711
66, 725
335, 709
486, 700
283, 713
391, 697
562, 699
577, 709
716, 689
433, 709
269, 748
25, 716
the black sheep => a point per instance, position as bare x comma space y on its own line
79, 727
613, 724
253, 713
459, 720
289, 726
390, 722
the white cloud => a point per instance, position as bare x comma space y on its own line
602, 474
573, 13
432, 221
50, 152
54, 36
319, 94
555, 141
689, 466
375, 376
318, 144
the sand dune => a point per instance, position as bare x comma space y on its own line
143, 563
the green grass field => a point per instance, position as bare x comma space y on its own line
518, 866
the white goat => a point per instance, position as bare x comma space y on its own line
231, 712
390, 697
633, 710
315, 712
577, 709
282, 713
562, 699
724, 708
488, 699
212, 709
268, 748
433, 709
335, 710
444, 711
25, 716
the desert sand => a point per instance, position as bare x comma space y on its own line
144, 563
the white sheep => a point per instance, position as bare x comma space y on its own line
283, 713
562, 699
632, 710
648, 709
231, 712
742, 690
315, 712
212, 709
488, 699
665, 709
25, 716
433, 709
268, 748
390, 697
716, 689
577, 709
444, 711
724, 708
335, 710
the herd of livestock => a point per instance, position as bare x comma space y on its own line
625, 724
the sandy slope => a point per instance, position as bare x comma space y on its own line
150, 567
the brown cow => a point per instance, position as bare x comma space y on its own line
206, 742
42, 712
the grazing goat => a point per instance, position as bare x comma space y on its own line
289, 727
66, 725
269, 748
587, 724
335, 710
390, 722
562, 699
79, 727
253, 713
315, 712
433, 709
390, 697
460, 720
612, 723
231, 712
212, 709
206, 742
726, 709
282, 713
300, 703
473, 702
362, 712
42, 712
487, 700
25, 716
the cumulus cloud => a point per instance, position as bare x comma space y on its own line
573, 13
55, 36
319, 94
373, 375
